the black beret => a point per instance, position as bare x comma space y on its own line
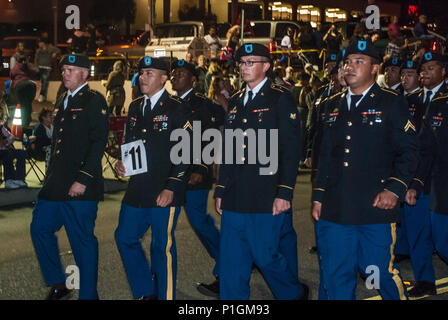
392, 62
77, 60
184, 64
364, 47
153, 63
432, 56
409, 64
252, 49
332, 57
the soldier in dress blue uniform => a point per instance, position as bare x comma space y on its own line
200, 175
391, 69
367, 160
429, 104
153, 198
254, 206
74, 182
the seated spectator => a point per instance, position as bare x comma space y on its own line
14, 177
115, 95
39, 146
421, 28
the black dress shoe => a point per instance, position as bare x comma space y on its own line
210, 290
58, 292
423, 288
305, 292
401, 257
313, 250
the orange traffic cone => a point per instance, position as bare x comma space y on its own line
16, 128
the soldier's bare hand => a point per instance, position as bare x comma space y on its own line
308, 162
280, 205
165, 198
195, 179
411, 197
218, 205
317, 208
76, 190
120, 169
385, 200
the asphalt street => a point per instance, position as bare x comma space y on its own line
21, 279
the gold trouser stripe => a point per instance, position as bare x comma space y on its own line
393, 271
169, 258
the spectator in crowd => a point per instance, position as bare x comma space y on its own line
318, 37
44, 60
115, 95
201, 71
189, 57
286, 43
39, 146
218, 92
315, 84
233, 38
213, 41
395, 46
421, 28
280, 73
213, 69
20, 52
14, 177
78, 42
333, 39
289, 76
24, 88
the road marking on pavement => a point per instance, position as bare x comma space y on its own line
439, 291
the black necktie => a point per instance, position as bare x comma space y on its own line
427, 101
353, 100
250, 94
69, 101
146, 107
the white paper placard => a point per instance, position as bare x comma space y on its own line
133, 155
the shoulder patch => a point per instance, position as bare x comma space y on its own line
200, 95
390, 91
445, 96
177, 99
279, 87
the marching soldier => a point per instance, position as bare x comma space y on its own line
256, 208
422, 215
392, 74
74, 182
200, 175
154, 196
367, 159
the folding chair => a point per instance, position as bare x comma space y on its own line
115, 139
32, 162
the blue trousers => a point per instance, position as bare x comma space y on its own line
203, 223
132, 226
439, 224
248, 238
78, 218
416, 221
345, 249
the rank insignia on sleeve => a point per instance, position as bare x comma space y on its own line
293, 116
188, 125
408, 126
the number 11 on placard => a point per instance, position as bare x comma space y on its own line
133, 155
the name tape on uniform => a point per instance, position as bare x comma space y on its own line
133, 155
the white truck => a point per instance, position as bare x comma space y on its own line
176, 39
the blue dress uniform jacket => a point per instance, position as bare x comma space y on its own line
417, 105
210, 115
363, 152
241, 187
79, 138
434, 154
154, 129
